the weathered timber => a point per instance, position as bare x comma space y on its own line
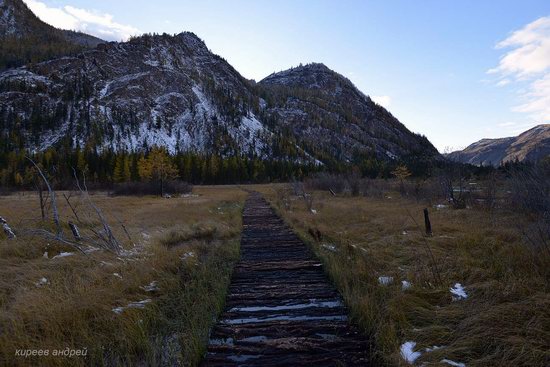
7, 229
427, 222
280, 309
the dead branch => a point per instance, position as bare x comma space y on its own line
110, 242
72, 208
52, 196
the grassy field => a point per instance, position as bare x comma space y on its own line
174, 277
397, 282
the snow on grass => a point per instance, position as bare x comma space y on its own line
329, 247
152, 287
453, 363
458, 292
405, 285
138, 304
384, 280
63, 254
431, 349
408, 353
42, 282
187, 255
117, 275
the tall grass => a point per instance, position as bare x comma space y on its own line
505, 319
187, 246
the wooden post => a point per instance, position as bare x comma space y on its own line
76, 232
427, 222
7, 230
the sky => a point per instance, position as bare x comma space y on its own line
455, 71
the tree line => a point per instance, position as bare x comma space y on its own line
108, 167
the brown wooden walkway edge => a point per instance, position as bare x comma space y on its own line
281, 310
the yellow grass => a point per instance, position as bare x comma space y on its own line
187, 245
505, 321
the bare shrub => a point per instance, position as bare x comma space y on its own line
530, 195
282, 194
452, 181
326, 181
308, 199
297, 188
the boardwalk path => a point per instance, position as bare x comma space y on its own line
281, 310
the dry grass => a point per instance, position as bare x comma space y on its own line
186, 245
505, 321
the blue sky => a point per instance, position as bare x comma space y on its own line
454, 71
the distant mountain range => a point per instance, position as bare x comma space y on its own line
531, 145
172, 91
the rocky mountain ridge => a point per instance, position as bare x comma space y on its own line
172, 91
529, 146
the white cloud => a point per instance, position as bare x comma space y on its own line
92, 22
503, 82
384, 101
528, 60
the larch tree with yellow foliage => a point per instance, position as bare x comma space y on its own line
157, 167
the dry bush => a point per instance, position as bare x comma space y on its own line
327, 181
282, 193
530, 195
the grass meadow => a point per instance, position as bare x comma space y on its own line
397, 281
152, 306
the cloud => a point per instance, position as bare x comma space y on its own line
503, 82
527, 60
384, 101
92, 22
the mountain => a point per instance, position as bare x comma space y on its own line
333, 119
531, 145
172, 91
25, 38
153, 90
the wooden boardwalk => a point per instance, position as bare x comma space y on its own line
281, 310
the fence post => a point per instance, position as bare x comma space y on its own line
427, 222
7, 230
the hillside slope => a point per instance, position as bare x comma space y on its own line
332, 119
24, 38
153, 90
531, 145
173, 91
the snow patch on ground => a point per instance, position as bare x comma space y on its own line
152, 287
329, 247
453, 363
138, 304
431, 349
187, 255
408, 353
405, 285
458, 292
42, 282
384, 280
63, 254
